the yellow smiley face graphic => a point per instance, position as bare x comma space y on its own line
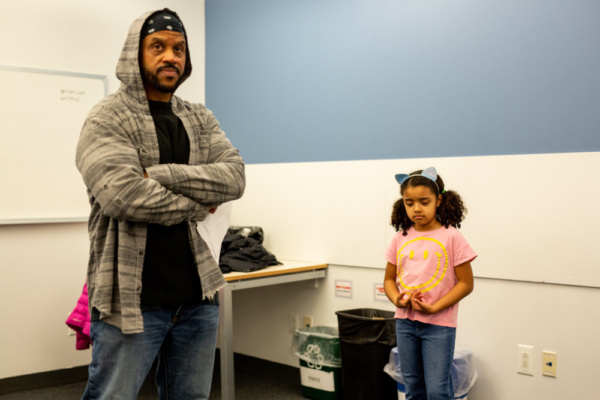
427, 260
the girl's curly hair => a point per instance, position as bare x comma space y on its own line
451, 210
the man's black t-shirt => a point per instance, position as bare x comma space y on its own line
169, 275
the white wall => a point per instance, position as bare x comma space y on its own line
492, 321
497, 316
43, 266
340, 211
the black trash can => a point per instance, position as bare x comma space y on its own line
366, 338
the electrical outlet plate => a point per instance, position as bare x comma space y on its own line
308, 321
525, 359
549, 363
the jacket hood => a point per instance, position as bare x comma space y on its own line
128, 66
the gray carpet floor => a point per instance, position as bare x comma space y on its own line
254, 379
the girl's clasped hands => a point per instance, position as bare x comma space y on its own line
414, 299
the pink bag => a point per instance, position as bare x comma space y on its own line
79, 320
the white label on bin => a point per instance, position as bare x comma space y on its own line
317, 379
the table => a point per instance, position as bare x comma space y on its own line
290, 271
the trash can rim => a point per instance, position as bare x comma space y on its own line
336, 363
346, 313
318, 335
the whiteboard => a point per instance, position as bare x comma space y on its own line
42, 113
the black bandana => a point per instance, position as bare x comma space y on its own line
162, 21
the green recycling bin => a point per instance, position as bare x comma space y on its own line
318, 349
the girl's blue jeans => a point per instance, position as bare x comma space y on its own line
184, 339
426, 352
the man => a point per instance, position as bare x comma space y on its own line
153, 165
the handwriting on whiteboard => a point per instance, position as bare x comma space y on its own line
71, 95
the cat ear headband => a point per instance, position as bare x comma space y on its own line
429, 173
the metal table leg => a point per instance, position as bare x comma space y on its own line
226, 343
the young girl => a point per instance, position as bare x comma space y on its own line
427, 274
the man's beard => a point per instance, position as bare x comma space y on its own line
152, 78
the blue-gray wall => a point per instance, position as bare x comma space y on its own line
327, 80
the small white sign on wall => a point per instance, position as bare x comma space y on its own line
380, 292
343, 289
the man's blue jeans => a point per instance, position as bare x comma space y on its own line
426, 352
184, 339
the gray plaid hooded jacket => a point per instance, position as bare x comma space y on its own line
117, 143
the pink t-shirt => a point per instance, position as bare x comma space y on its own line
425, 261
